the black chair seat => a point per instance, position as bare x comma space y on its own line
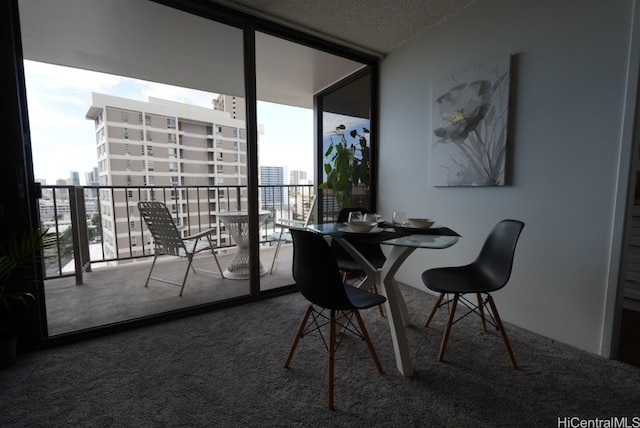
461, 279
362, 299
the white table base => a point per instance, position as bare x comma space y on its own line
397, 314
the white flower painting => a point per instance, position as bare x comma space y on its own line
470, 118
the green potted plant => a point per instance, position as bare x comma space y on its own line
347, 166
18, 256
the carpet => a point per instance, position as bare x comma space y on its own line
225, 369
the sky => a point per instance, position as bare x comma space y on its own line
63, 140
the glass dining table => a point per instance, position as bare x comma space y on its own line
403, 242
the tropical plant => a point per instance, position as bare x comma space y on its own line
17, 256
347, 165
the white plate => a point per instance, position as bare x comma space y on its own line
407, 226
347, 230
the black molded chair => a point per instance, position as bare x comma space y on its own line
488, 273
347, 264
318, 279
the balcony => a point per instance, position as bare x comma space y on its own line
96, 275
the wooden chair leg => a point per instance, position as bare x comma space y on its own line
445, 337
332, 346
434, 310
481, 311
296, 339
365, 334
380, 307
345, 277
502, 332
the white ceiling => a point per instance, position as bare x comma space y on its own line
373, 26
146, 40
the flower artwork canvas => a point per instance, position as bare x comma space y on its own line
470, 119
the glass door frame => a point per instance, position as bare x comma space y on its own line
370, 71
19, 164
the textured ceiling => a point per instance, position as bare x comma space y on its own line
374, 26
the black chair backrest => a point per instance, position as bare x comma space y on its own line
343, 215
372, 252
316, 272
495, 260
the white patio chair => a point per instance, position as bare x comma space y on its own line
285, 223
167, 240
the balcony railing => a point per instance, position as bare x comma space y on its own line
100, 225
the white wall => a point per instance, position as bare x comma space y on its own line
571, 63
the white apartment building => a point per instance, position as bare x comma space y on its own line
192, 158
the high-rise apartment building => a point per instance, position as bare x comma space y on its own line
272, 176
187, 156
235, 106
74, 178
92, 179
298, 177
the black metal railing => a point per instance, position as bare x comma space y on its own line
101, 224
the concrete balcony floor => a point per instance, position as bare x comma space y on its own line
115, 294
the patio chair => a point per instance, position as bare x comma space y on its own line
488, 273
318, 278
167, 240
285, 223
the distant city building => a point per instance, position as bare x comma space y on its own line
74, 179
272, 180
297, 177
92, 179
235, 106
61, 194
46, 193
167, 144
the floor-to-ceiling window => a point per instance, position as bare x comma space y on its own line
131, 101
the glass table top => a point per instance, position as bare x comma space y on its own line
387, 236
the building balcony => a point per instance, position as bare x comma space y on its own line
96, 276
114, 294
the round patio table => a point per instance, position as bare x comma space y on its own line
237, 223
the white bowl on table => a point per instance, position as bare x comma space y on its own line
420, 223
361, 226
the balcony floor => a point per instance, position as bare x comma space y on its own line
114, 294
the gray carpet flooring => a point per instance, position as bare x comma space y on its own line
224, 369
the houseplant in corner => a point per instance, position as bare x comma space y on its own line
347, 166
18, 257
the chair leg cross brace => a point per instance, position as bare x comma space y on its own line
494, 319
334, 324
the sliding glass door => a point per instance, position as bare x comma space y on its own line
288, 76
134, 101
346, 161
